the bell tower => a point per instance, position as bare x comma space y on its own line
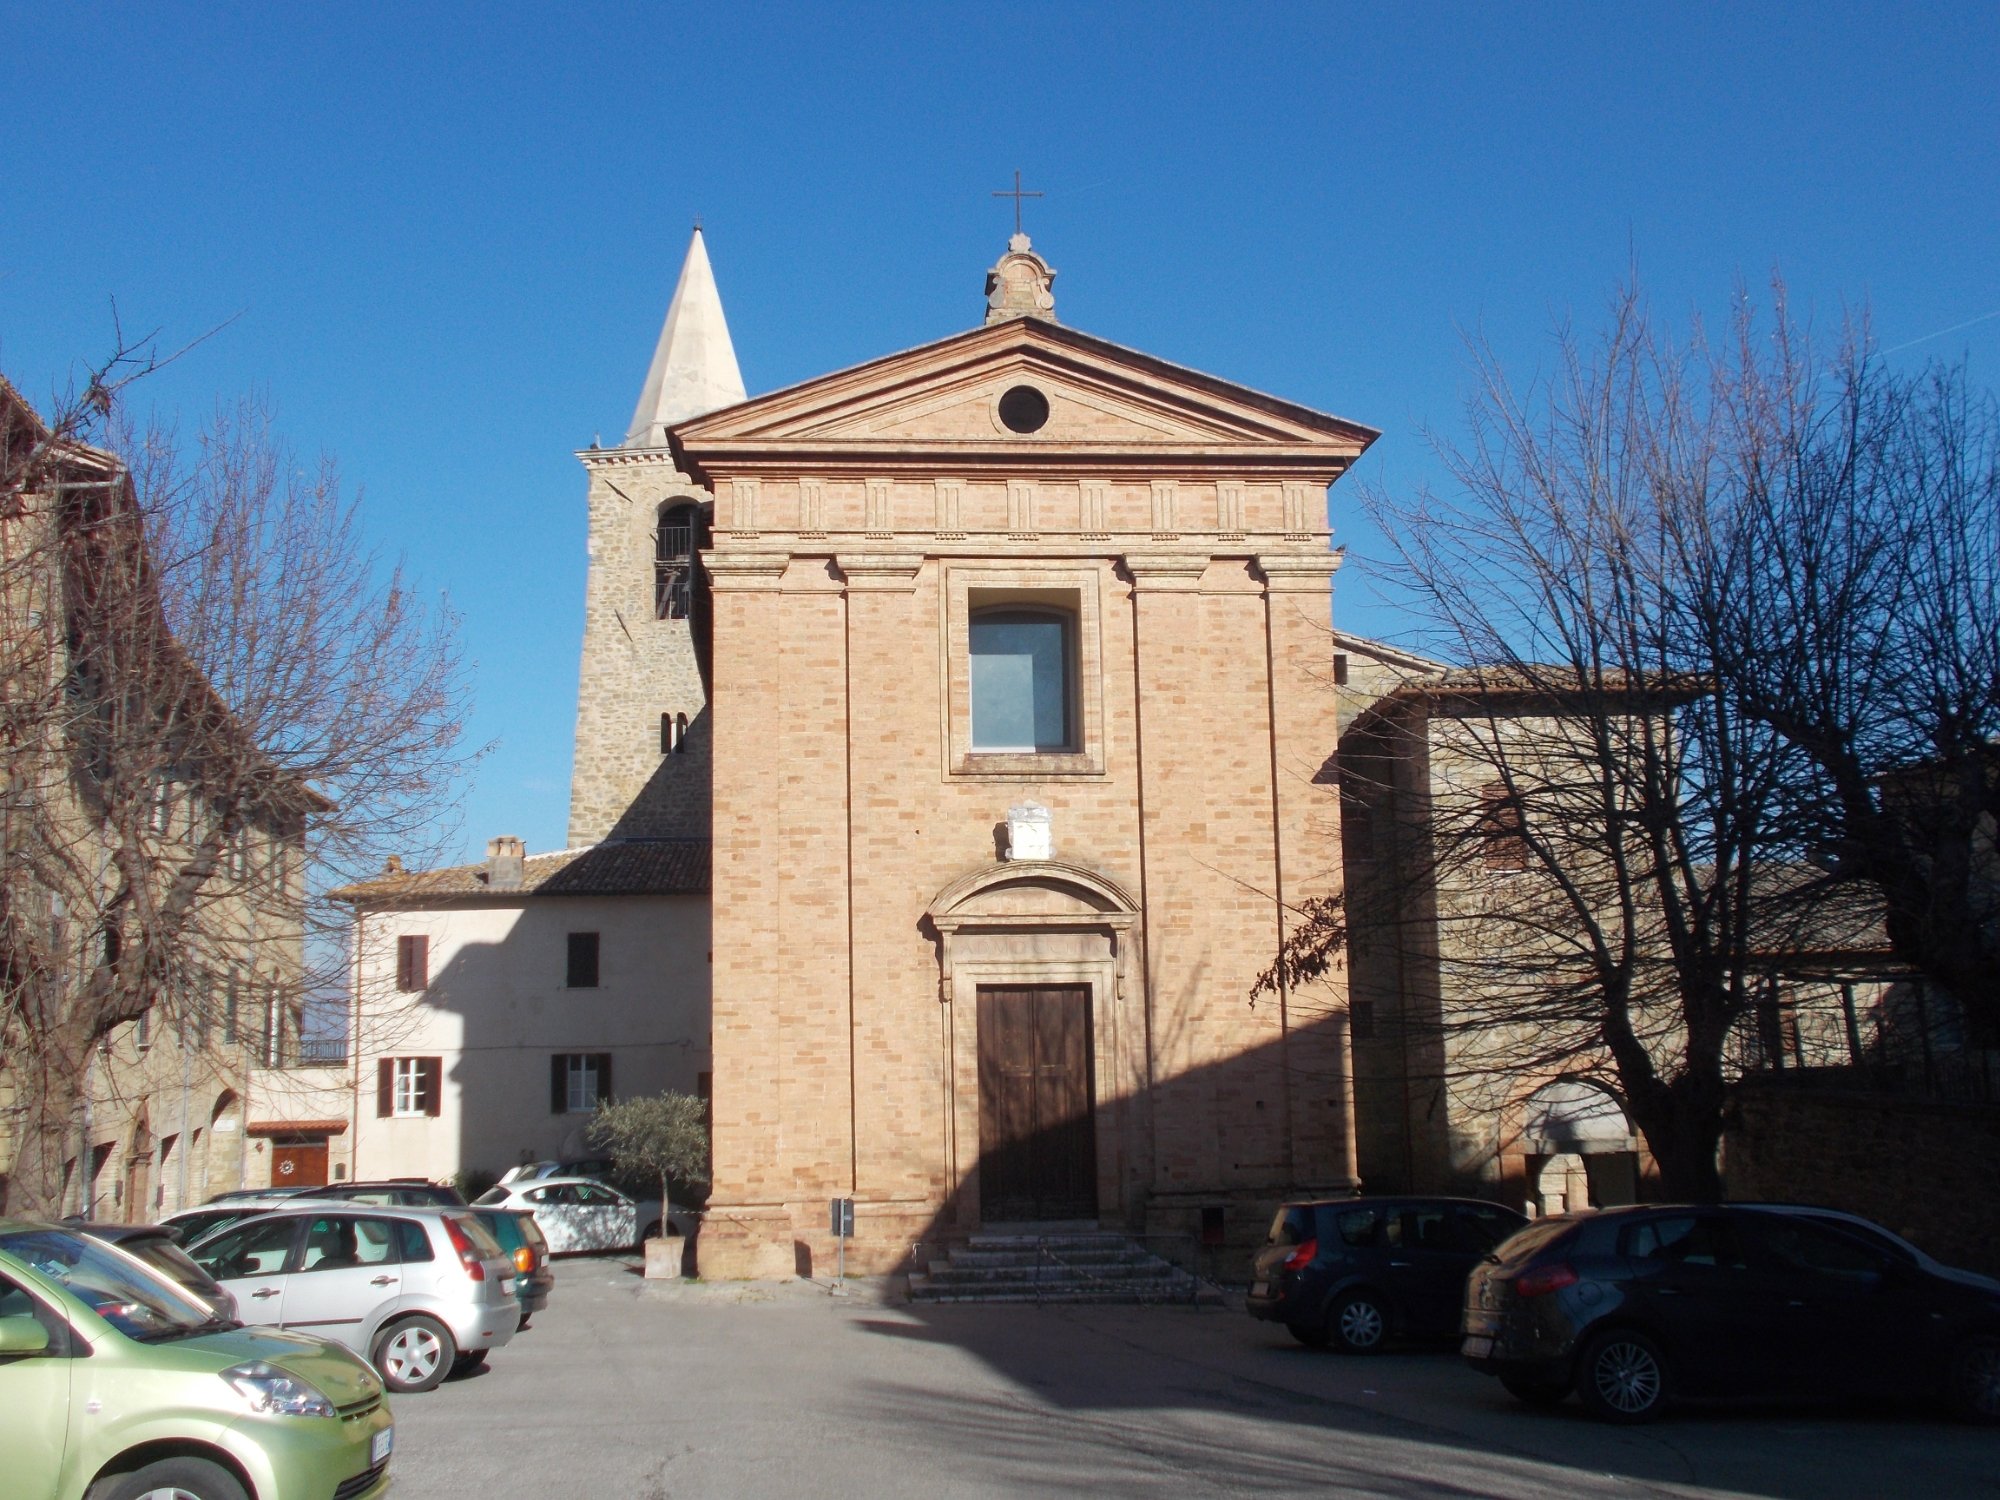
642, 727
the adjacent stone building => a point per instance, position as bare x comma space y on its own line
122, 772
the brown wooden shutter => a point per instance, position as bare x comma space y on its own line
604, 1078
385, 1087
430, 1084
413, 961
558, 1085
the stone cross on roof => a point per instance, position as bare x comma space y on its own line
1017, 193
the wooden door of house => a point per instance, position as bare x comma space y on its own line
298, 1161
138, 1197
1037, 1129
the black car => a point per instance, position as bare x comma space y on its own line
1632, 1308
1352, 1272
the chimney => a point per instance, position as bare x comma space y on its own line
393, 865
506, 860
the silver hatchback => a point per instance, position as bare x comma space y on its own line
417, 1291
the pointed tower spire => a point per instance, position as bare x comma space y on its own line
694, 368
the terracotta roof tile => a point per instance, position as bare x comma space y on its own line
626, 867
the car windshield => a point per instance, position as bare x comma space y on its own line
1291, 1225
505, 1228
137, 1301
164, 1256
479, 1234
493, 1195
1515, 1250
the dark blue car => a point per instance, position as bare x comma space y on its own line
1635, 1308
1355, 1272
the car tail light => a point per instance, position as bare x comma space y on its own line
1544, 1279
468, 1253
524, 1260
1300, 1258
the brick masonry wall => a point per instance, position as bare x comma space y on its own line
1928, 1170
835, 828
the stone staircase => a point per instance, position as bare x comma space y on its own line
1084, 1265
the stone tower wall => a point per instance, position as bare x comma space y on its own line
635, 668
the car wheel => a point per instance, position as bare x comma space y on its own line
650, 1232
172, 1479
1357, 1324
471, 1359
1313, 1336
1622, 1377
414, 1354
1975, 1381
1534, 1392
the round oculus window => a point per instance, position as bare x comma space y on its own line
1024, 409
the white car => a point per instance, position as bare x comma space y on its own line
579, 1213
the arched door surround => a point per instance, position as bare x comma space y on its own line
1051, 928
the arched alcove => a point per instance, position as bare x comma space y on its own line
1580, 1148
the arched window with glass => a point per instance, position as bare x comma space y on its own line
1023, 680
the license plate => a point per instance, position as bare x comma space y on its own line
379, 1449
1477, 1348
1260, 1288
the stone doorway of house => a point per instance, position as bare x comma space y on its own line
1037, 1117
1580, 1149
298, 1161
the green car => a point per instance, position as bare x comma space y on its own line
116, 1385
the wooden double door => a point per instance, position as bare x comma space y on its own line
1037, 1124
298, 1161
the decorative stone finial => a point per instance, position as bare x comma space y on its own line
1020, 285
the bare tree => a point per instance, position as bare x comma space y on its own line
1869, 638
218, 703
1623, 843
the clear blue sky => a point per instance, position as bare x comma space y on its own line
450, 232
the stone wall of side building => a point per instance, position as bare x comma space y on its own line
1927, 1169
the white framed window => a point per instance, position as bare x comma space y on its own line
578, 1082
409, 1086
159, 812
409, 1098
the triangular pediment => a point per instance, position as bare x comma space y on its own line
947, 396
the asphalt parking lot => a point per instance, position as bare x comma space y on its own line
642, 1392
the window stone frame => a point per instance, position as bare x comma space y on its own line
1077, 588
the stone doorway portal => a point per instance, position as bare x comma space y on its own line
1037, 1120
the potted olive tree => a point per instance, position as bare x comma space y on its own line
663, 1136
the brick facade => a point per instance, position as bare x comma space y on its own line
860, 896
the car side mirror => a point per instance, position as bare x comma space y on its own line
22, 1334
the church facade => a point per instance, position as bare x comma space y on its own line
998, 672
